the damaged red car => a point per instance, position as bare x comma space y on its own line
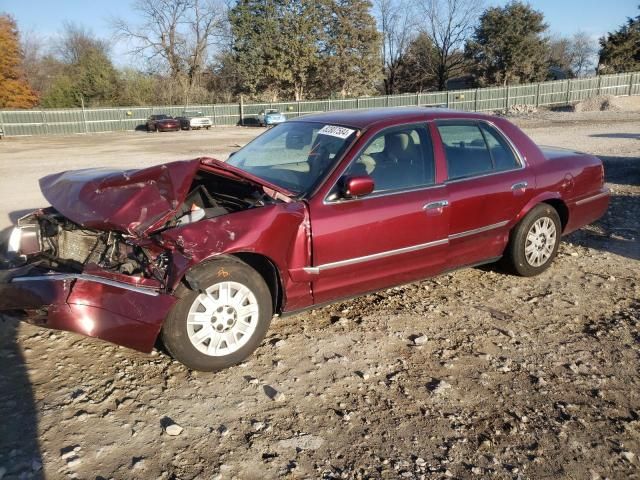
203, 253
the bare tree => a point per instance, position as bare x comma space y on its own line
449, 23
584, 51
398, 26
75, 42
177, 35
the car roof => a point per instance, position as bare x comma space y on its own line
367, 117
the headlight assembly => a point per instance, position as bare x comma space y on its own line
15, 239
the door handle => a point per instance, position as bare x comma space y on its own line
519, 186
434, 205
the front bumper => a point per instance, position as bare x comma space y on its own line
169, 128
200, 124
274, 121
97, 306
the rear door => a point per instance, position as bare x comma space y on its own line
394, 235
487, 185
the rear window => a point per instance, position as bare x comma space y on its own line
475, 149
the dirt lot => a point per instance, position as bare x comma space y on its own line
516, 378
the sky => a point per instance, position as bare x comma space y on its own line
45, 17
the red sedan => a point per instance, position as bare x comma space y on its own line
317, 209
163, 123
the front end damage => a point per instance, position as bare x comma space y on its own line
102, 268
60, 275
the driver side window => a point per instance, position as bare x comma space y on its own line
400, 158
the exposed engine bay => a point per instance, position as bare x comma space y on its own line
48, 239
212, 196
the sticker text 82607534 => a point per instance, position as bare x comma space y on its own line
336, 131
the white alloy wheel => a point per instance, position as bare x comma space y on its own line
540, 242
222, 320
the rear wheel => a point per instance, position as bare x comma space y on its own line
224, 322
534, 242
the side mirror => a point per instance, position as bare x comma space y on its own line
359, 186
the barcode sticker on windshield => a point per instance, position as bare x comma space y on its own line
335, 131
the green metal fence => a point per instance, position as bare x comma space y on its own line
95, 120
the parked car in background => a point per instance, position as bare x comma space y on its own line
271, 117
318, 209
162, 123
194, 121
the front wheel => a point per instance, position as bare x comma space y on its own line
534, 242
224, 322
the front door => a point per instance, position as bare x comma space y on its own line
395, 235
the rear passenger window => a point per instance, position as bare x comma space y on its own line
473, 150
503, 157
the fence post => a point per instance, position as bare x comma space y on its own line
358, 103
417, 99
447, 98
506, 98
599, 85
84, 114
298, 102
568, 91
538, 95
2, 123
386, 101
475, 101
241, 110
631, 83
44, 122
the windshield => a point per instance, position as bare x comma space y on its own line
294, 155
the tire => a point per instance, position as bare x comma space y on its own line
222, 342
534, 242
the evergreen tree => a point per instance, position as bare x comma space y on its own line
620, 50
350, 50
296, 49
508, 45
254, 27
418, 67
15, 92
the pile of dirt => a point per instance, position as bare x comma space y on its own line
520, 109
603, 103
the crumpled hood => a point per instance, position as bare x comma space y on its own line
131, 201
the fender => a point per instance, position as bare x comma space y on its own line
539, 198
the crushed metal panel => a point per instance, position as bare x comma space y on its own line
133, 201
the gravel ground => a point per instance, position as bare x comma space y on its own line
474, 374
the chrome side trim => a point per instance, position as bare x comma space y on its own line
475, 231
89, 278
375, 256
413, 248
592, 197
